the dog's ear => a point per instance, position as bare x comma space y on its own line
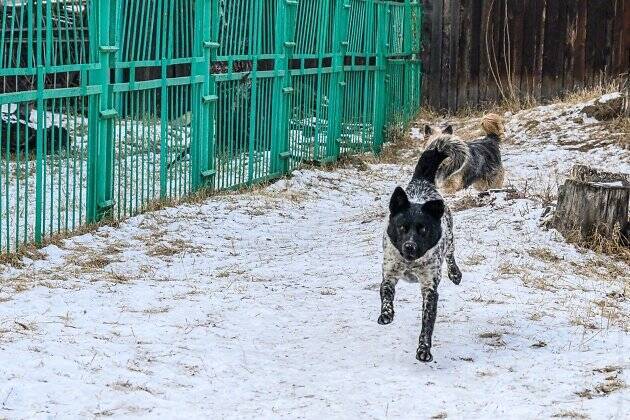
448, 129
434, 208
428, 130
398, 202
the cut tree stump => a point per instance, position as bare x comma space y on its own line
593, 202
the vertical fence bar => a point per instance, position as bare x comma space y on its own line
39, 175
164, 54
337, 80
284, 47
379, 84
199, 119
203, 165
255, 18
100, 147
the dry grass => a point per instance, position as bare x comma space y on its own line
493, 338
621, 126
602, 268
530, 277
171, 248
89, 259
544, 254
230, 271
31, 250
522, 102
602, 87
468, 202
570, 415
475, 259
601, 244
609, 385
118, 278
398, 140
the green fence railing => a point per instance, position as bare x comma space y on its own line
109, 105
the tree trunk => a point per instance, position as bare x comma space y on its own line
593, 203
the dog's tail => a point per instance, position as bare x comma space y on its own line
443, 157
492, 124
455, 152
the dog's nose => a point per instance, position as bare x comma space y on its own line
409, 247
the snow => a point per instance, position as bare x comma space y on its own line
609, 97
264, 305
609, 184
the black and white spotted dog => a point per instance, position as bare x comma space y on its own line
419, 237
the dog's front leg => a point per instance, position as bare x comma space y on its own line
388, 290
429, 311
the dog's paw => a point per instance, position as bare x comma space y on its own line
386, 318
424, 355
455, 275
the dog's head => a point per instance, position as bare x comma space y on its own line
431, 132
414, 228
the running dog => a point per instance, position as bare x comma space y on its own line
417, 241
477, 162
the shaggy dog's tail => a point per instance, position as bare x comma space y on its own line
492, 124
429, 164
456, 152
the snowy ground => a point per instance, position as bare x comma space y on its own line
264, 304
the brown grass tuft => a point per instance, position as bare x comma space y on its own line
570, 415
601, 244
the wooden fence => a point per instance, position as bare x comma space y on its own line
480, 51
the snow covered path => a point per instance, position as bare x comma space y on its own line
264, 305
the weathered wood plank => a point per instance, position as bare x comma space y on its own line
434, 74
446, 56
454, 52
540, 19
427, 49
579, 62
551, 46
571, 11
515, 22
474, 97
530, 39
464, 48
485, 41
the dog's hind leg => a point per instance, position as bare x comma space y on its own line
429, 312
492, 181
388, 290
497, 179
452, 184
454, 273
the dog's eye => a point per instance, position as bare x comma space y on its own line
422, 229
403, 228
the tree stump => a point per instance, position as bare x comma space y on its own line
593, 203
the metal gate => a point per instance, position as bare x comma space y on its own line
107, 106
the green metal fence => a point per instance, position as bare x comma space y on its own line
109, 105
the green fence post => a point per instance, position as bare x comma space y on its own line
417, 25
337, 79
100, 146
39, 170
164, 54
204, 103
407, 61
284, 47
379, 82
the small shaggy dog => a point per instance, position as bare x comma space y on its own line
476, 163
418, 238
